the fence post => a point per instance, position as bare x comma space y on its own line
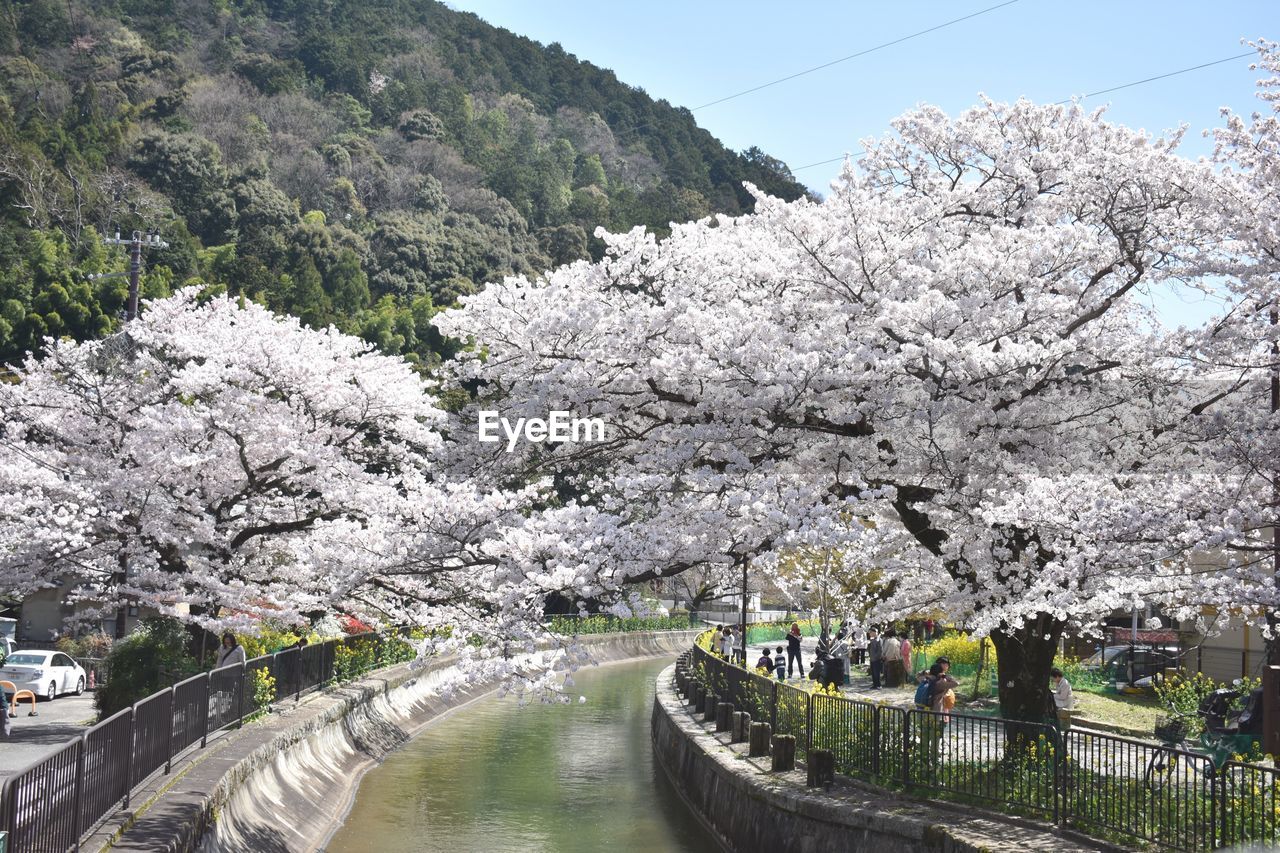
808, 725
168, 744
240, 696
80, 774
875, 741
1059, 769
1218, 803
79, 785
8, 808
129, 770
906, 748
208, 695
773, 709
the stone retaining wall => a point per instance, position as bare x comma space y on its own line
749, 807
286, 783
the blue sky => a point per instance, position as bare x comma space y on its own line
697, 51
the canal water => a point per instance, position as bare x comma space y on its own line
497, 777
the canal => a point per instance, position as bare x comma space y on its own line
495, 776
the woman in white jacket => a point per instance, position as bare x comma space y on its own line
231, 651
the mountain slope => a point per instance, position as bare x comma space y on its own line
355, 163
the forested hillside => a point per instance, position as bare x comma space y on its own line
355, 162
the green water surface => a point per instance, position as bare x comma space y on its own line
496, 777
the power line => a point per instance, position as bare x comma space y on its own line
1163, 76
852, 56
1087, 95
896, 41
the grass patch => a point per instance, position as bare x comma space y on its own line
1133, 712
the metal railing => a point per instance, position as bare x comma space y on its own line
49, 805
1114, 787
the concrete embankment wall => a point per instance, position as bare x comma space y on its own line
285, 784
750, 808
310, 785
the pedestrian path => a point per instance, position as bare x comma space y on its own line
859, 686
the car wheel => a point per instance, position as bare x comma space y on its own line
80, 686
52, 692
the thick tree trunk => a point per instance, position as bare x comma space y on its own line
1024, 657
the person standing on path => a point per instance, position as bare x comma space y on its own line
943, 681
793, 650
836, 662
908, 665
1063, 699
892, 659
780, 664
875, 654
231, 651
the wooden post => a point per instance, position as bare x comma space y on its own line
696, 695
758, 746
784, 753
724, 716
741, 727
709, 707
822, 767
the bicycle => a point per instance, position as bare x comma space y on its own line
1167, 762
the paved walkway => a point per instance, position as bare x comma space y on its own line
33, 737
859, 686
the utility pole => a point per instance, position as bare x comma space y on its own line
136, 244
745, 562
1273, 645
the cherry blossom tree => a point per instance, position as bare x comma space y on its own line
220, 463
1233, 520
954, 343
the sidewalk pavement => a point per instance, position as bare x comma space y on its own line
56, 723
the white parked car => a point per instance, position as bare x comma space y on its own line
46, 674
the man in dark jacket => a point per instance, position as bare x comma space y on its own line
875, 654
793, 651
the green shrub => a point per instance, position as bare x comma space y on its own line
264, 692
152, 658
353, 659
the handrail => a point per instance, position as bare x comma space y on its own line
1093, 781
35, 801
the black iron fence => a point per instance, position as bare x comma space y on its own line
48, 806
1121, 789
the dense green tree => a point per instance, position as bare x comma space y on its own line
189, 169
348, 285
307, 299
430, 167
564, 244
